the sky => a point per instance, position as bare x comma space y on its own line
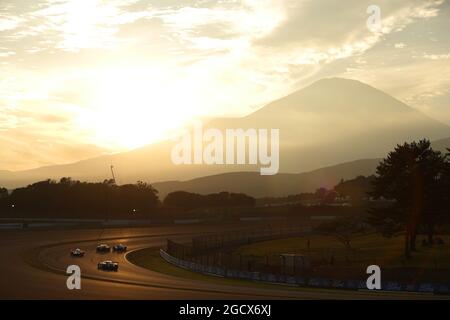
80, 78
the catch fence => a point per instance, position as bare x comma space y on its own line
217, 251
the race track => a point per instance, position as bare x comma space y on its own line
33, 265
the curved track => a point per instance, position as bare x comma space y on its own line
33, 265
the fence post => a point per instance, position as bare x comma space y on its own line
295, 266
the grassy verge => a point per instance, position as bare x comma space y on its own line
150, 259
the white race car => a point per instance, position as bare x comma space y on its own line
77, 253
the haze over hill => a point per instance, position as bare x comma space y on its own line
282, 184
442, 145
332, 121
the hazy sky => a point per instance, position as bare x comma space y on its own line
82, 77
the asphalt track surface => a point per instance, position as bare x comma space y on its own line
33, 265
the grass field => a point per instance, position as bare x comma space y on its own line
366, 250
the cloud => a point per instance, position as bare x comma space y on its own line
327, 27
223, 57
16, 154
70, 25
437, 56
8, 23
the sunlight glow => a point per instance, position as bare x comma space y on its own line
133, 107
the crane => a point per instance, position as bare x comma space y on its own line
113, 176
107, 202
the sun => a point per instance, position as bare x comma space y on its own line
135, 106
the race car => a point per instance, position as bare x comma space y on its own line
77, 253
120, 248
102, 248
108, 266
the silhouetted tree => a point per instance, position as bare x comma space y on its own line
3, 193
344, 229
412, 175
325, 196
356, 189
81, 199
188, 200
183, 199
3, 200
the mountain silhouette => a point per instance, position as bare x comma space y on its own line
329, 122
338, 120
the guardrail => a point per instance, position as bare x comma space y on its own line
31, 223
312, 282
10, 226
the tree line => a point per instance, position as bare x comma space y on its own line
106, 200
73, 198
189, 201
